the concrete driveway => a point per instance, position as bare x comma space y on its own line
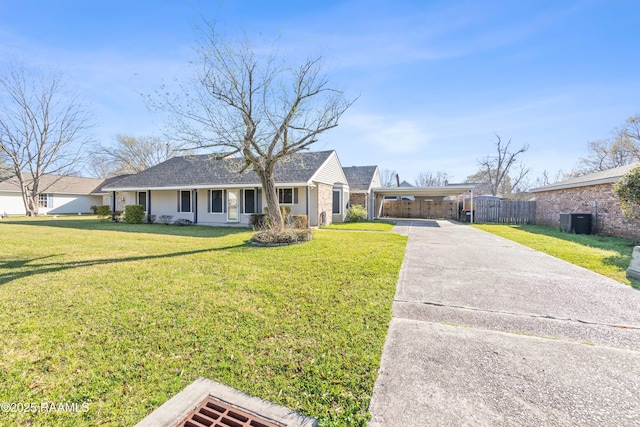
487, 332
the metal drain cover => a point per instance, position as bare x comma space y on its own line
206, 403
213, 412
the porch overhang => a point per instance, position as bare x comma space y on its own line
444, 191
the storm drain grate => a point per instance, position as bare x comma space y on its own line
212, 412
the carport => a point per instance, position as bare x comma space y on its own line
425, 200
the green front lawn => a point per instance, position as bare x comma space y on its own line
609, 256
123, 317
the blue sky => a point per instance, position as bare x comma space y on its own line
435, 79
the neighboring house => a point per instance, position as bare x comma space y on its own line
592, 194
362, 180
211, 191
59, 195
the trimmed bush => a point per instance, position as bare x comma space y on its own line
287, 236
151, 219
258, 221
94, 209
134, 214
356, 213
183, 221
103, 212
299, 221
165, 219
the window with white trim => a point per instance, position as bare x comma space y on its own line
217, 201
285, 196
336, 202
249, 201
184, 201
43, 201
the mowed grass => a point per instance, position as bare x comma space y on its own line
362, 226
123, 317
609, 256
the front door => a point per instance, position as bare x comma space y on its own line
233, 196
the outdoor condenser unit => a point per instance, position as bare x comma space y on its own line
578, 223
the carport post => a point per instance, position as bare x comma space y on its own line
471, 207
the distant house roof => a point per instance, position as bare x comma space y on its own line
55, 184
597, 178
206, 170
360, 178
405, 184
107, 182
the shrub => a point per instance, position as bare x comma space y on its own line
285, 211
258, 221
299, 221
151, 219
183, 221
165, 219
286, 236
94, 209
356, 213
134, 214
116, 216
628, 190
103, 212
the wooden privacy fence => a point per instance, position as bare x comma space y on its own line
504, 211
445, 209
500, 211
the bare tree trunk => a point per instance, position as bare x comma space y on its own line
270, 193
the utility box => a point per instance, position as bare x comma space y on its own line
578, 223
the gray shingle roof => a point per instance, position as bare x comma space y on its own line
359, 177
54, 184
602, 177
206, 170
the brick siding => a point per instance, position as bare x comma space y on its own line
325, 201
610, 219
358, 199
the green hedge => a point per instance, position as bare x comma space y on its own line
134, 214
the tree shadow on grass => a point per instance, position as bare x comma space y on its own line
20, 268
98, 225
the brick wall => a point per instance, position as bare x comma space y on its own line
610, 219
358, 199
325, 201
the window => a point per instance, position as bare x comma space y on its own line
142, 199
216, 201
249, 201
43, 201
285, 196
336, 201
184, 201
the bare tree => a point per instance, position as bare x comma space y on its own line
388, 178
622, 148
131, 155
430, 179
252, 104
42, 128
502, 172
5, 169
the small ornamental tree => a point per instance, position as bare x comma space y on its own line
628, 191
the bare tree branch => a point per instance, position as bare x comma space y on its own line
43, 128
495, 169
251, 103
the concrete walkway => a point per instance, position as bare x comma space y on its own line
487, 332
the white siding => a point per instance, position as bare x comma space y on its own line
330, 172
375, 181
11, 203
70, 204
